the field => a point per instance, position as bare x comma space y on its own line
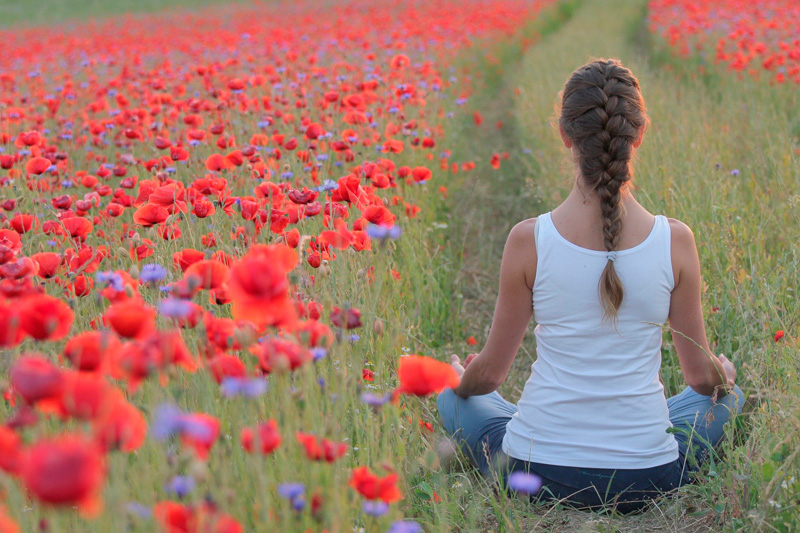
224, 230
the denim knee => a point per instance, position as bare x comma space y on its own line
740, 398
445, 403
734, 399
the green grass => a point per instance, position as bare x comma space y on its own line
16, 13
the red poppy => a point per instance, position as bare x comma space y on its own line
10, 245
306, 196
90, 350
314, 131
259, 287
150, 215
78, 227
11, 332
66, 470
120, 427
48, 264
266, 436
217, 162
203, 518
131, 318
82, 285
420, 174
23, 223
223, 366
319, 449
206, 434
10, 450
37, 165
373, 487
380, 215
420, 375
212, 274
187, 257
275, 354
85, 395
314, 333
22, 267
346, 318
44, 317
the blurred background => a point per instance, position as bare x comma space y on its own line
15, 13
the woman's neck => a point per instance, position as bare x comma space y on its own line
584, 199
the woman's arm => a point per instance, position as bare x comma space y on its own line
512, 315
705, 373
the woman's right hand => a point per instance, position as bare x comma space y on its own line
730, 370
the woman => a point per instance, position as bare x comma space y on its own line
603, 275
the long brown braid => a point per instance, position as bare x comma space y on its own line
603, 113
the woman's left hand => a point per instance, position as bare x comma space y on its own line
455, 362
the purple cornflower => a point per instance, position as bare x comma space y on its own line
111, 279
139, 510
524, 483
247, 387
294, 493
735, 172
374, 400
375, 508
299, 503
291, 490
152, 272
382, 232
318, 353
327, 185
180, 486
405, 526
175, 307
170, 420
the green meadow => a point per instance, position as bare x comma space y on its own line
746, 224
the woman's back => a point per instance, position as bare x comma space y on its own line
594, 398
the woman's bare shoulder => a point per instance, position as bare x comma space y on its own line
684, 250
521, 248
681, 233
523, 234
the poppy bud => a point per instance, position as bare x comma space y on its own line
377, 327
244, 336
134, 272
324, 269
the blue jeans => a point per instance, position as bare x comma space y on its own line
478, 424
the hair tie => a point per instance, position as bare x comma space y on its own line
612, 256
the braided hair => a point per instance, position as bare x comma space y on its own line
603, 114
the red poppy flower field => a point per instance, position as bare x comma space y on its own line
760, 39
225, 289
199, 246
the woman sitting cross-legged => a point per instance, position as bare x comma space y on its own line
601, 275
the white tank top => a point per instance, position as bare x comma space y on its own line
594, 399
